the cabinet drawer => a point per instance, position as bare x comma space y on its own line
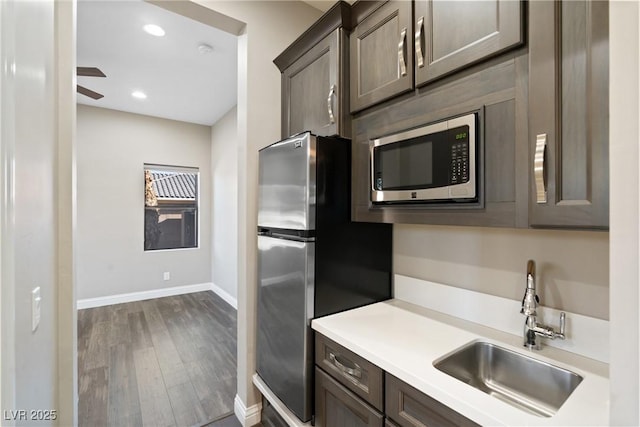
337, 406
357, 374
409, 407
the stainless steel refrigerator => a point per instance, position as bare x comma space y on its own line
312, 260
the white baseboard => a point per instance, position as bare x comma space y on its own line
247, 416
231, 300
586, 336
144, 295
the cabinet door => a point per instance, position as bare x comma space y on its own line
569, 114
338, 407
450, 35
408, 407
312, 90
381, 52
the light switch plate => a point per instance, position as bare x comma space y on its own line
167, 275
35, 308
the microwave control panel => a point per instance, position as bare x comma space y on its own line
459, 171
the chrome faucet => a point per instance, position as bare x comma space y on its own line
533, 329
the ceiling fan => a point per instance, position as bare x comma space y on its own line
89, 72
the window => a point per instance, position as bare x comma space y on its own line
170, 207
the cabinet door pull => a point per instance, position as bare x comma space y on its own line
332, 91
538, 168
356, 371
401, 58
418, 42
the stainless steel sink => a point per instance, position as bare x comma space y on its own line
526, 383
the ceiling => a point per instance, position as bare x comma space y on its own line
180, 82
322, 5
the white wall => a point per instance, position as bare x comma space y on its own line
224, 176
3, 205
28, 203
625, 206
112, 149
572, 267
67, 218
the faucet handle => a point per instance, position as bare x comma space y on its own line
563, 322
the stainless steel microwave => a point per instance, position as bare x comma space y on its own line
432, 163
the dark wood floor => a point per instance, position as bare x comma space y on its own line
228, 421
161, 362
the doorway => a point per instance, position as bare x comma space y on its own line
147, 352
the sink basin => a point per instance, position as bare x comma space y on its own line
524, 382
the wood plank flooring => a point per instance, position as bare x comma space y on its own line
228, 421
161, 362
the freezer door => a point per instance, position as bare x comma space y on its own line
285, 308
287, 184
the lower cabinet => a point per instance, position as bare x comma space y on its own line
411, 408
352, 400
336, 406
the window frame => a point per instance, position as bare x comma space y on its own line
172, 168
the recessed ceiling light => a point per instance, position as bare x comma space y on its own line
154, 30
139, 94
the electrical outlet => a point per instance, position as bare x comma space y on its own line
35, 308
167, 275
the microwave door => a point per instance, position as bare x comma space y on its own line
286, 186
433, 163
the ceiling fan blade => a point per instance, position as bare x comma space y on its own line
90, 72
88, 92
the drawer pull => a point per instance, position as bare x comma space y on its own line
356, 371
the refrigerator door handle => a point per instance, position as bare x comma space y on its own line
285, 236
293, 237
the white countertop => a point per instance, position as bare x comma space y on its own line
405, 339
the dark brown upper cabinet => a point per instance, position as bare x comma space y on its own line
398, 45
569, 114
450, 35
315, 77
381, 52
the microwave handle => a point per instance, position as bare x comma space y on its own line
539, 172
